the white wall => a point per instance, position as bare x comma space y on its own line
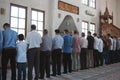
37, 4
57, 21
101, 5
118, 13
51, 12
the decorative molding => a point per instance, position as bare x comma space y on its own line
90, 13
68, 7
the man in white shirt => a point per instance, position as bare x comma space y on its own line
33, 40
111, 48
114, 49
95, 52
100, 50
83, 57
114, 43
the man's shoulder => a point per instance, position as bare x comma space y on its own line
12, 31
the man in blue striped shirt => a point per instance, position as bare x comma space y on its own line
67, 50
9, 51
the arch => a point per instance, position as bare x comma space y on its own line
67, 23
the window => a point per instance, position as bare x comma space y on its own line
38, 20
92, 28
92, 3
85, 2
85, 27
18, 19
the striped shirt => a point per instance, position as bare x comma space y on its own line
58, 42
76, 43
46, 43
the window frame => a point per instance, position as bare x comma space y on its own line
94, 27
88, 4
92, 3
19, 6
87, 26
33, 9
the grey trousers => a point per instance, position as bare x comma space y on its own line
33, 61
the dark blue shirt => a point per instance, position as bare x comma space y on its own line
1, 41
67, 48
10, 38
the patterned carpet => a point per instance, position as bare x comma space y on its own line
109, 72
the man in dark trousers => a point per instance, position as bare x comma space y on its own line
84, 44
46, 47
90, 50
33, 40
57, 52
9, 51
67, 51
1, 46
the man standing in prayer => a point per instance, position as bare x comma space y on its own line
57, 45
33, 40
76, 45
9, 51
46, 47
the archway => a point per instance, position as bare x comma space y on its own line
67, 23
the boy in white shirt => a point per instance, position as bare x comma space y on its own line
21, 57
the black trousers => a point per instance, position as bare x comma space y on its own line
111, 56
33, 61
67, 62
96, 58
44, 63
100, 58
9, 54
83, 59
56, 61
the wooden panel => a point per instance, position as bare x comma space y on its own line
109, 28
68, 7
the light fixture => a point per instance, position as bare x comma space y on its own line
2, 11
59, 15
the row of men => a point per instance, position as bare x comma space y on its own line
86, 53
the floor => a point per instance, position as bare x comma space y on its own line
107, 72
